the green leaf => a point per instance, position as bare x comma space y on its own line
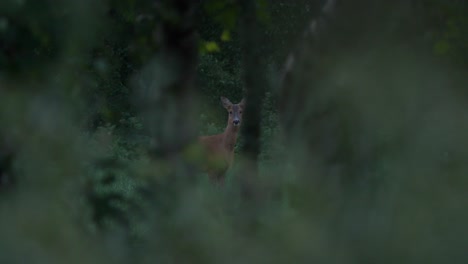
209, 47
226, 35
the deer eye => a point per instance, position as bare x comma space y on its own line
240, 112
230, 112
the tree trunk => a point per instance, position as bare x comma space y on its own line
7, 155
255, 85
167, 87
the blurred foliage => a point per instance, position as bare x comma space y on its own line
85, 190
448, 25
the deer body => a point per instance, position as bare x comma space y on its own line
219, 149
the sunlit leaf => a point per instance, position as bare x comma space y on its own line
226, 35
211, 46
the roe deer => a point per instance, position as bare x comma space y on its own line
219, 149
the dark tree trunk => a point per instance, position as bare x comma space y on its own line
255, 85
168, 96
7, 155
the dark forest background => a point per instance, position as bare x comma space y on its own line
357, 153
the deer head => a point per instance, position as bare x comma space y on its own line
234, 110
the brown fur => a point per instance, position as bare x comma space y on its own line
219, 148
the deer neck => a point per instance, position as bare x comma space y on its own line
230, 136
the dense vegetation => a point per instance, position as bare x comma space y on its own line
360, 156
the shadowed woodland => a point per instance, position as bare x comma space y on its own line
351, 144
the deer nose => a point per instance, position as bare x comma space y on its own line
236, 122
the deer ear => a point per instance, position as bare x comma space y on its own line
226, 103
242, 102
